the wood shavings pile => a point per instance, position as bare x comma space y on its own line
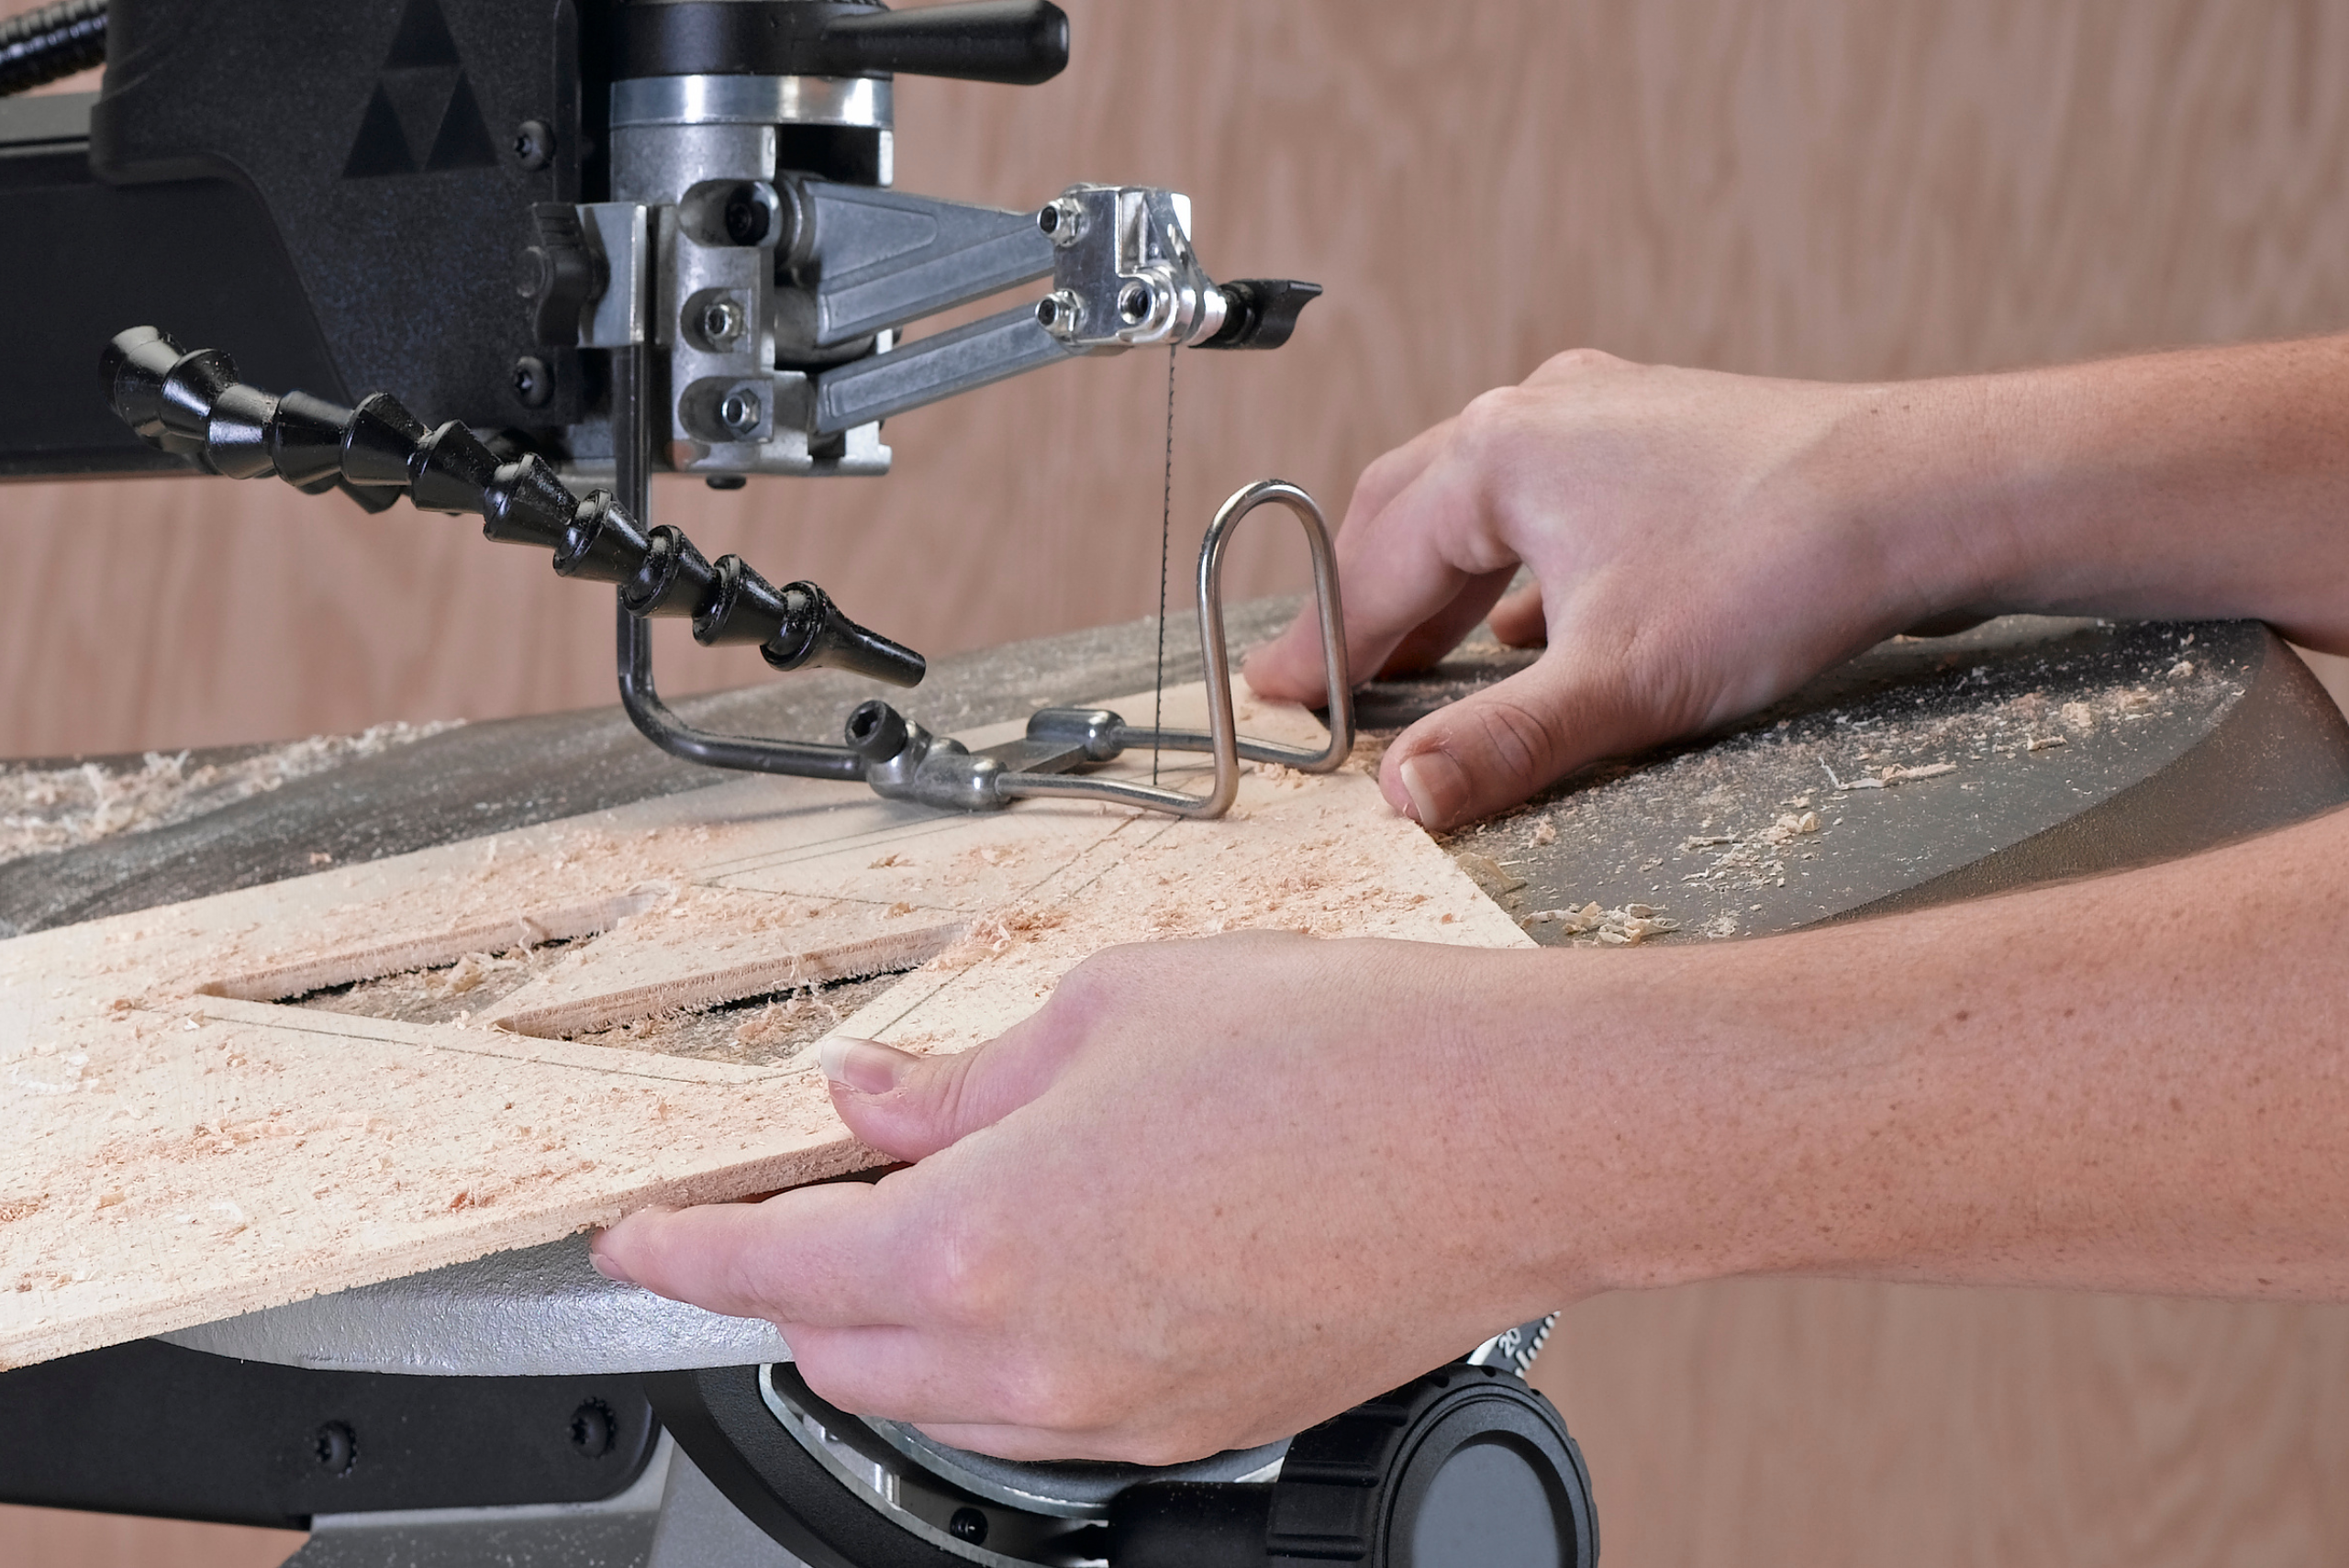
1626, 926
46, 809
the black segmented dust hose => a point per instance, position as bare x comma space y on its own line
55, 41
192, 405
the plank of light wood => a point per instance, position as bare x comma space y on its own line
187, 1147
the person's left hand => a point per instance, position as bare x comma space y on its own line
1212, 1193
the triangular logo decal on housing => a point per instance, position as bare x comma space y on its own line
382, 146
423, 115
463, 139
423, 39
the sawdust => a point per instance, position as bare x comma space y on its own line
771, 1031
1495, 880
1626, 926
43, 810
1886, 778
444, 993
996, 934
1922, 723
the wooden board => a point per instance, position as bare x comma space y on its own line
187, 1145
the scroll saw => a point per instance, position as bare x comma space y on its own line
693, 196
593, 240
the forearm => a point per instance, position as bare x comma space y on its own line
2132, 1084
2206, 483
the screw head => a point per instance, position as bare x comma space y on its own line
746, 217
721, 323
336, 1449
1134, 302
969, 1524
741, 411
533, 382
593, 1429
533, 145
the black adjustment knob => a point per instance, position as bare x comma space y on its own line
1018, 42
1464, 1468
559, 275
1263, 312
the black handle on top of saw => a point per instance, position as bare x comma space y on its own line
1016, 42
1263, 312
192, 404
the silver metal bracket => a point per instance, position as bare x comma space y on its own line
905, 762
1124, 271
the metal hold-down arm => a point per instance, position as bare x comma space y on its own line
193, 404
905, 762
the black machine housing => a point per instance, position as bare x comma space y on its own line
340, 192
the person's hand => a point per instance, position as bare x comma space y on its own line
1701, 544
1212, 1193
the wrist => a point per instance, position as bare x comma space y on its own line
1640, 1092
1923, 481
1708, 1119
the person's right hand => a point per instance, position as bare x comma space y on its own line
1701, 543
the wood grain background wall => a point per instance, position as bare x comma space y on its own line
1837, 188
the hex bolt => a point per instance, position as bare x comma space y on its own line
592, 1430
721, 325
741, 411
533, 145
533, 382
1062, 221
969, 1524
1060, 313
336, 1448
1134, 302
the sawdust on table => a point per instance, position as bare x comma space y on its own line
1756, 803
46, 809
1626, 927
